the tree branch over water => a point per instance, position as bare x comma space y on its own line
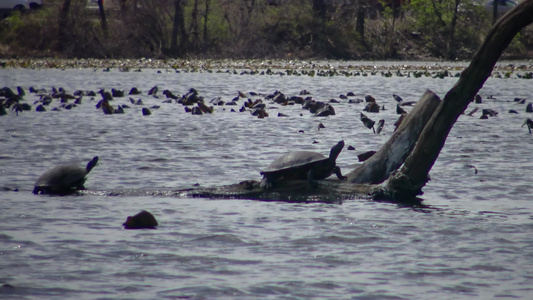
413, 175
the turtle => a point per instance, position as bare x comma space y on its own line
141, 220
303, 165
63, 179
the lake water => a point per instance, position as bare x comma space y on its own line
472, 238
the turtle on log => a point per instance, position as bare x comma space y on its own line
303, 165
63, 179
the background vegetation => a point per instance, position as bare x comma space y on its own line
339, 29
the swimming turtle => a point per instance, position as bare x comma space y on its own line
141, 220
303, 165
63, 179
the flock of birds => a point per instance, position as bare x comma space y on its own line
197, 105
193, 103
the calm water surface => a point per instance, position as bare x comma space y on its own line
473, 240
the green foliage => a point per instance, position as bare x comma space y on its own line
254, 29
433, 19
10, 28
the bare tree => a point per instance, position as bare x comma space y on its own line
178, 30
103, 20
194, 32
206, 14
360, 17
63, 25
453, 24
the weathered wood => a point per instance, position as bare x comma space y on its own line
410, 179
330, 190
394, 152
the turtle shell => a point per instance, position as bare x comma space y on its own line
63, 178
294, 160
298, 164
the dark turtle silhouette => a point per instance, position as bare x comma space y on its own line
141, 220
303, 165
63, 179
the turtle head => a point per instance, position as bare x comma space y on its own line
335, 151
91, 164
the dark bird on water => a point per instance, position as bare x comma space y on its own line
381, 123
400, 110
368, 122
153, 91
106, 95
397, 98
529, 124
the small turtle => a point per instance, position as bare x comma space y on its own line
141, 220
63, 179
303, 165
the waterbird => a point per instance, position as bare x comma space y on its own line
153, 91
400, 110
397, 98
369, 123
529, 124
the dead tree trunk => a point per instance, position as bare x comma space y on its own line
393, 153
103, 20
64, 17
360, 23
194, 32
410, 179
178, 30
453, 25
206, 15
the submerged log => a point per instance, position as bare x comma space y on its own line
330, 190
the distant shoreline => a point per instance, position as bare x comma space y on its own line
221, 65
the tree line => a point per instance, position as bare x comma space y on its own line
334, 29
